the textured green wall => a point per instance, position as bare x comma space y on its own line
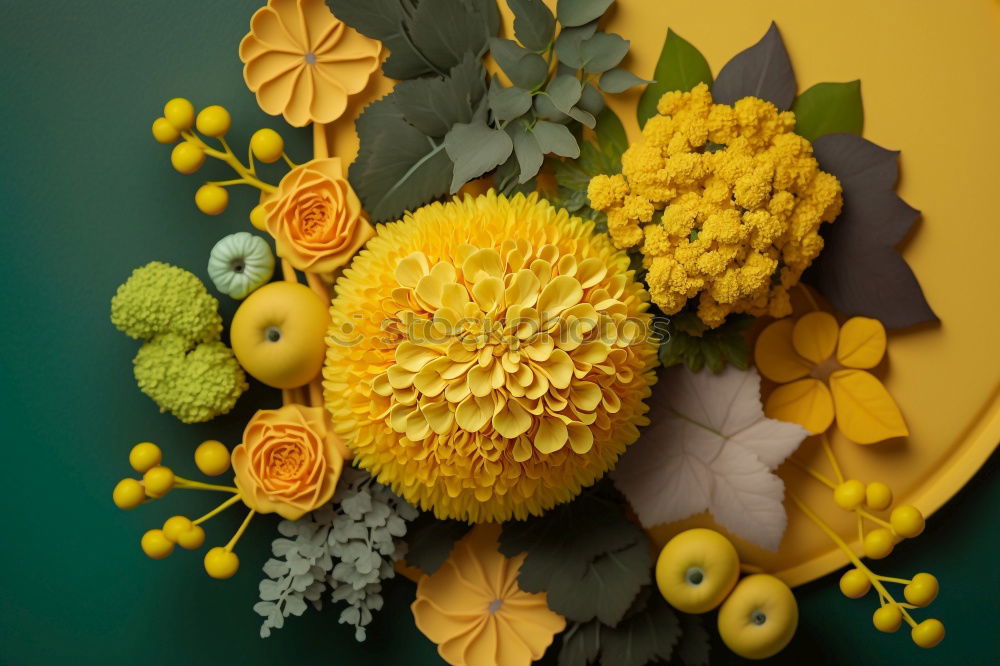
87, 196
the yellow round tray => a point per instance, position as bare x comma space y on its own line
927, 72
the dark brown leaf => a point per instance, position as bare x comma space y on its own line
763, 71
860, 271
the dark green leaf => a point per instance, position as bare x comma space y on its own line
429, 541
619, 80
508, 103
607, 587
591, 100
564, 91
443, 31
680, 67
386, 21
475, 148
524, 68
572, 546
433, 105
829, 108
602, 51
544, 108
581, 644
860, 270
693, 647
507, 175
534, 24
763, 70
612, 139
645, 636
555, 138
569, 44
690, 342
398, 168
577, 12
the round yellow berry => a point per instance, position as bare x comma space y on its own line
144, 456
128, 494
849, 495
922, 590
878, 496
187, 157
258, 218
267, 145
179, 112
193, 537
878, 543
212, 457
211, 199
221, 563
887, 619
907, 521
696, 570
164, 132
213, 121
174, 526
855, 584
928, 633
158, 481
156, 544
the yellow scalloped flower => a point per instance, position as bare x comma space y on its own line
802, 355
473, 609
724, 202
303, 62
488, 357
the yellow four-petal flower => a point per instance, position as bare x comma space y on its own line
803, 356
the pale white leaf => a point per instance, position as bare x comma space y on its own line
710, 447
747, 498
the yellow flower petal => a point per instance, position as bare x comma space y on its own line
806, 402
488, 293
523, 289
562, 292
413, 357
474, 412
814, 336
581, 439
482, 264
411, 268
774, 355
866, 413
862, 343
551, 436
511, 421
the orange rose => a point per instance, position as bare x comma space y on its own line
315, 217
289, 461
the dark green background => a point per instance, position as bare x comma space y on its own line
87, 196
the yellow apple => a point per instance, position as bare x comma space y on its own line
696, 570
278, 334
759, 618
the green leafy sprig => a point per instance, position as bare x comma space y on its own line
443, 125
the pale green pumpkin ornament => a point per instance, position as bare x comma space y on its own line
240, 263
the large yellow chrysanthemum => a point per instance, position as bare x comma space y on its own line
489, 357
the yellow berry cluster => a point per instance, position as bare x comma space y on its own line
905, 522
212, 458
178, 124
722, 201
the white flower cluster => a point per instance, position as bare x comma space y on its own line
350, 546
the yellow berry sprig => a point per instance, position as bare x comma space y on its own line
187, 157
905, 522
212, 458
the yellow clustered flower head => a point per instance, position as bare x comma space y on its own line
489, 357
739, 224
